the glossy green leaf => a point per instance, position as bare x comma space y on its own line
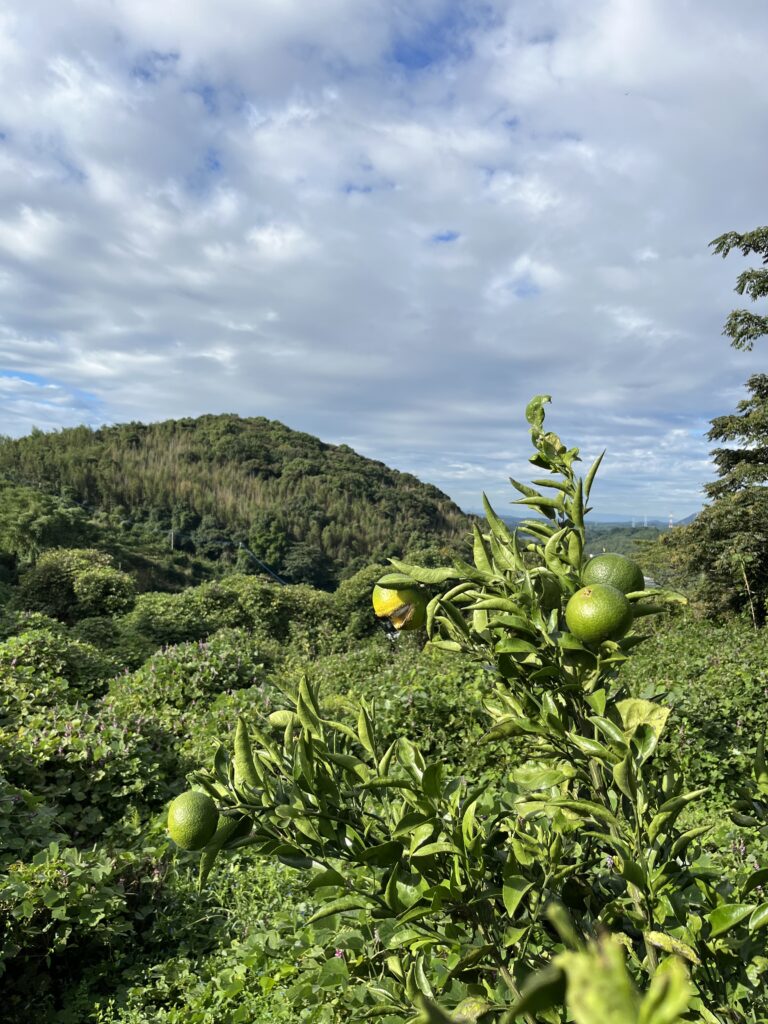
431, 577
758, 918
758, 879
727, 916
339, 906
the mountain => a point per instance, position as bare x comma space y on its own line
311, 511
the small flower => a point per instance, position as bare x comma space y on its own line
339, 953
609, 862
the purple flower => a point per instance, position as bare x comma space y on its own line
339, 953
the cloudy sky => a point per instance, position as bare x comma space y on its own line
386, 223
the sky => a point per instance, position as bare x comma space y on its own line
387, 224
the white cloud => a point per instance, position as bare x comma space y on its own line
386, 225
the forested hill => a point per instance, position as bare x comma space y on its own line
310, 510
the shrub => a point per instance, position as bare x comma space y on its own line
73, 583
38, 667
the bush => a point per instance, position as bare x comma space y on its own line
276, 615
26, 823
14, 622
73, 583
717, 681
103, 591
60, 901
190, 672
37, 668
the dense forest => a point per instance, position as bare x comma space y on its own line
311, 511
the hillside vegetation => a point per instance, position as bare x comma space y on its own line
312, 511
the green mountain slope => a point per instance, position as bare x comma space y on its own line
311, 510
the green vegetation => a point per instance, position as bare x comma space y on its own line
310, 511
520, 821
483, 894
722, 557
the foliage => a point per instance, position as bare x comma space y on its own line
461, 888
715, 678
40, 666
306, 508
743, 327
623, 540
74, 583
60, 894
31, 521
724, 552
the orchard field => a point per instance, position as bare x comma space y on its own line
101, 918
104, 718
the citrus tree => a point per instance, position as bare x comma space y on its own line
566, 890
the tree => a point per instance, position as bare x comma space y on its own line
743, 327
724, 552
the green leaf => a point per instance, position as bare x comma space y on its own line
339, 906
474, 956
480, 552
672, 945
635, 712
684, 840
624, 777
431, 577
609, 729
759, 918
590, 477
430, 849
592, 747
586, 809
432, 780
498, 527
431, 1013
513, 890
668, 996
365, 730
632, 872
524, 489
541, 991
395, 580
326, 878
727, 916
309, 720
756, 879
501, 604
534, 411
282, 718
644, 741
513, 645
382, 856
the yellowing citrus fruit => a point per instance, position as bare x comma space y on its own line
192, 820
405, 608
470, 1010
614, 570
598, 613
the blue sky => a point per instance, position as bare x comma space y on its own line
388, 225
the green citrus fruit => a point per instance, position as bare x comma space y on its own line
192, 820
615, 571
406, 608
598, 613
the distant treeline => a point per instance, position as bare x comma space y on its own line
310, 510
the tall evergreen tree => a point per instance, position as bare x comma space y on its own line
725, 550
